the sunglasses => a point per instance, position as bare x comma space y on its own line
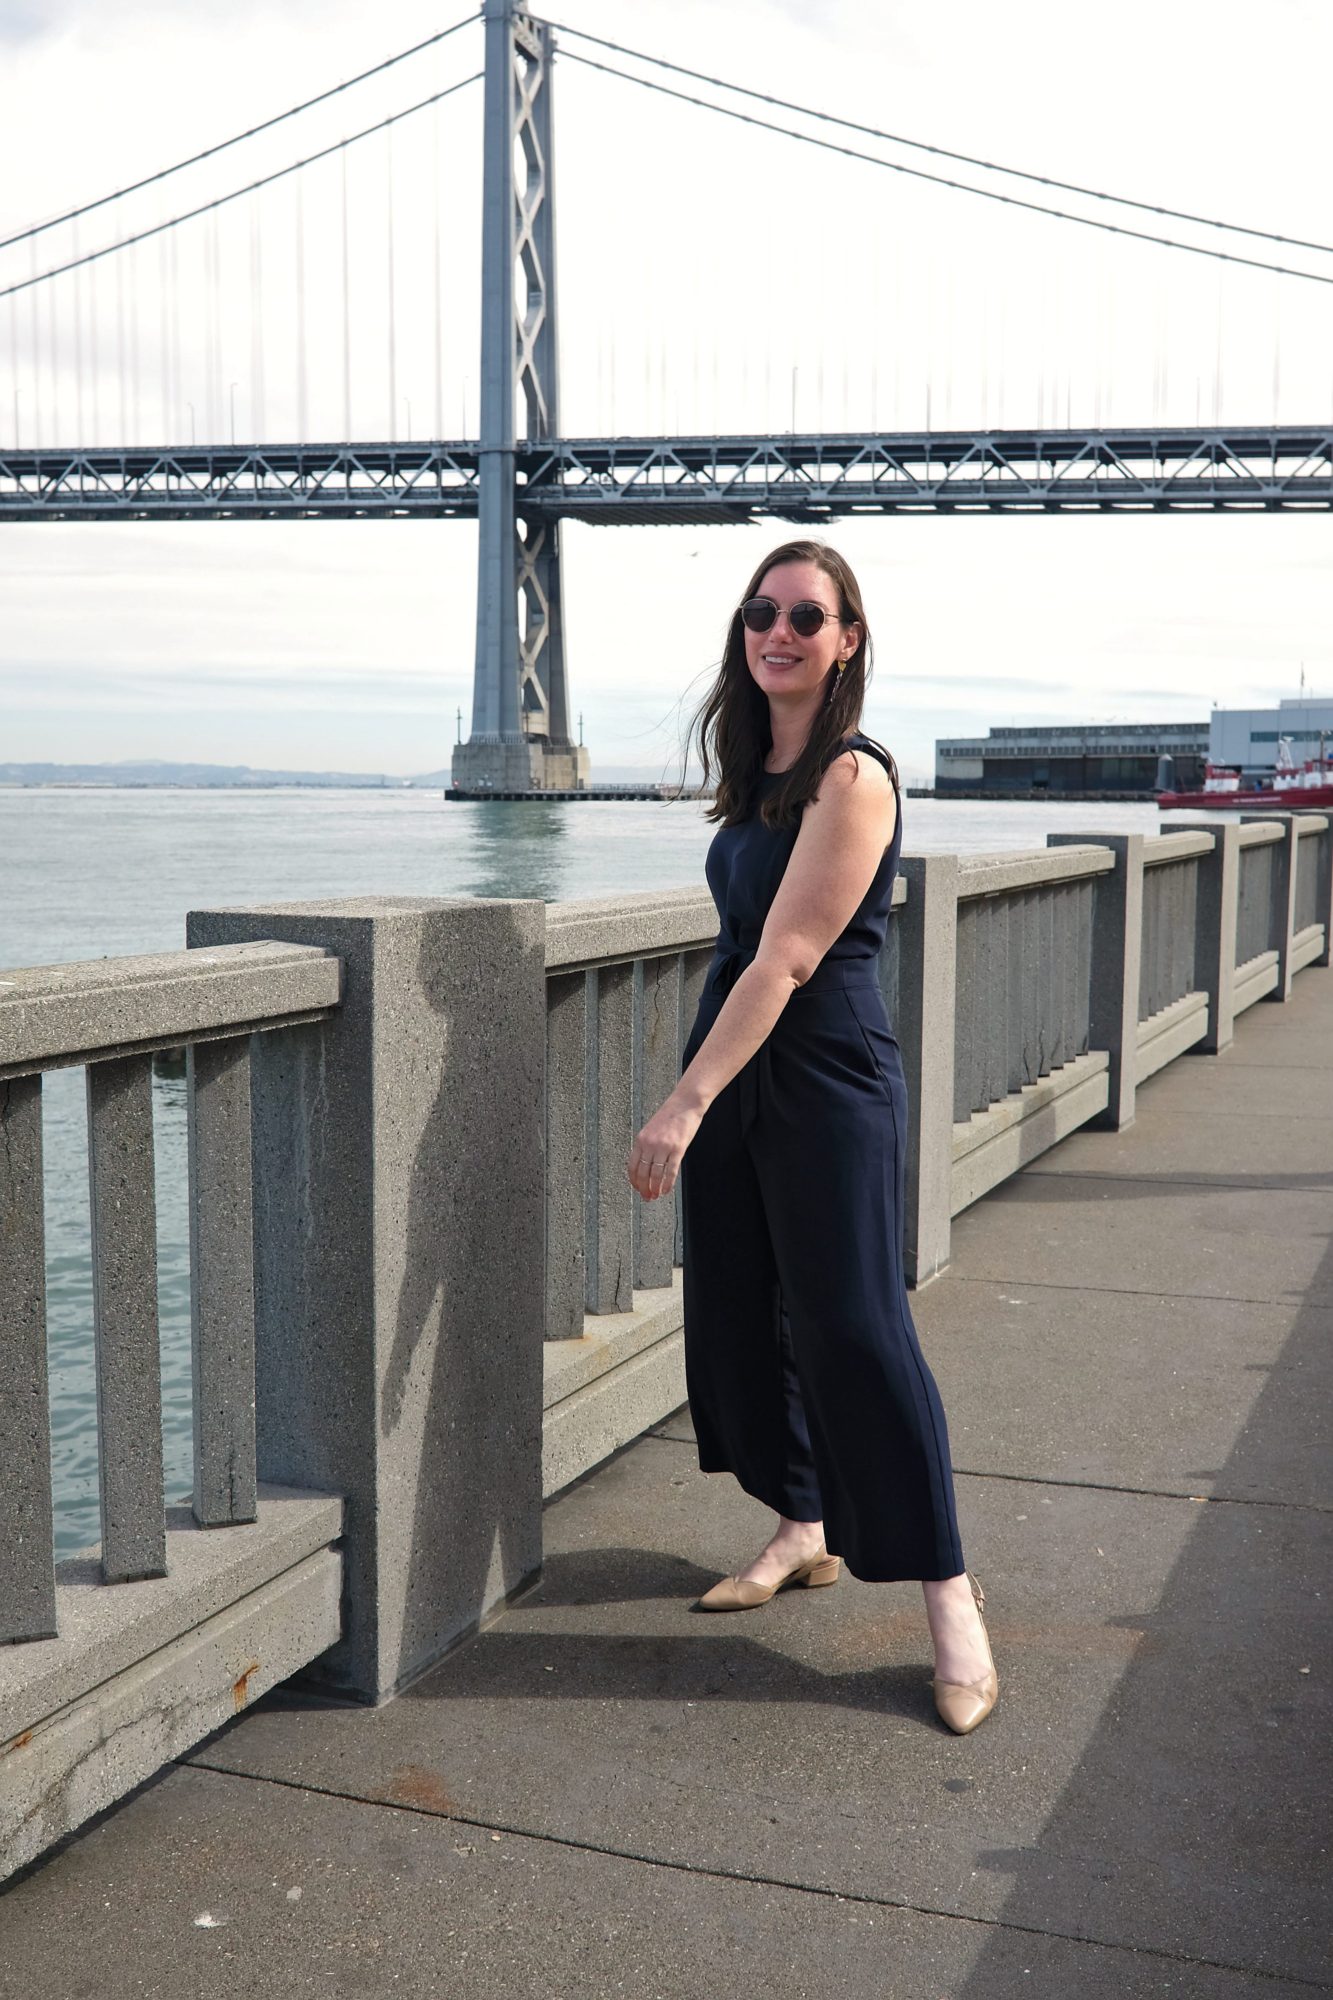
759, 614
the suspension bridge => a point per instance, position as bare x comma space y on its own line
520, 478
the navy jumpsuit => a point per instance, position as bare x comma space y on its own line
803, 1370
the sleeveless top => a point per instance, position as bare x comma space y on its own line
746, 862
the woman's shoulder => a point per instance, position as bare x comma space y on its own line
857, 740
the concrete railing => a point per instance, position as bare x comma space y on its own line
1282, 921
100, 1686
425, 1295
1076, 983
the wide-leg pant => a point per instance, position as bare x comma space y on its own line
803, 1369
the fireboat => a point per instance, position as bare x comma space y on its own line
1304, 787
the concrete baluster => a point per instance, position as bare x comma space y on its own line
924, 1026
567, 1093
125, 1332
658, 1074
1013, 909
1115, 966
693, 973
1283, 908
222, 1281
611, 1114
1324, 888
1215, 928
966, 1068
27, 1565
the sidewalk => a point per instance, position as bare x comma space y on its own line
605, 1793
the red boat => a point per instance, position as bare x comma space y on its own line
1307, 789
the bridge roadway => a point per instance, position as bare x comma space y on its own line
604, 1793
666, 481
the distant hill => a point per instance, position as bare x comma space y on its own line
156, 772
151, 771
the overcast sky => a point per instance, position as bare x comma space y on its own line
713, 277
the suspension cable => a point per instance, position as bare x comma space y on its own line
920, 145
340, 145
963, 187
208, 152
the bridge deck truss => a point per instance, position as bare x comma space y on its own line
663, 481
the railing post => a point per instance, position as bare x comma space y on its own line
926, 927
1284, 901
610, 1268
1324, 889
125, 1332
1117, 960
222, 1282
27, 1566
659, 1072
399, 1194
567, 1091
1215, 929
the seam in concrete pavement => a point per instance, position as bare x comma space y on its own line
1144, 1492
757, 1881
1086, 1485
1213, 1186
1129, 1291
1132, 1179
1302, 1068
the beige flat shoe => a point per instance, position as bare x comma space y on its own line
963, 1704
733, 1595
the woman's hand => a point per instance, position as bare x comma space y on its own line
656, 1154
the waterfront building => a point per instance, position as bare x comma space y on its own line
1085, 759
1246, 739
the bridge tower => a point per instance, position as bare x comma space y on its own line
520, 739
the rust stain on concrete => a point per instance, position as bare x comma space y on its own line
414, 1785
240, 1687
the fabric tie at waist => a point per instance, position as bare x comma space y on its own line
755, 1080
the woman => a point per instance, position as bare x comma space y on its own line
788, 1129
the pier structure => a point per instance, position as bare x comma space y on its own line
425, 1298
425, 1306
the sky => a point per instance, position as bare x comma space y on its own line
712, 277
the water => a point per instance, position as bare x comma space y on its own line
102, 873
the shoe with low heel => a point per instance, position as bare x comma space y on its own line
963, 1704
731, 1594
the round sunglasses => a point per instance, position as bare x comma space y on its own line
759, 614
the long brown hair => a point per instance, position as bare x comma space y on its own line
733, 719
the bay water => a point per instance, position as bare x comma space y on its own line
102, 872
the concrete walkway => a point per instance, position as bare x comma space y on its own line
607, 1794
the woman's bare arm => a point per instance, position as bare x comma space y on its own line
844, 832
841, 841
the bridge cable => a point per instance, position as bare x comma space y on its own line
389, 292
109, 249
962, 187
920, 145
437, 345
302, 404
347, 313
38, 228
164, 339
